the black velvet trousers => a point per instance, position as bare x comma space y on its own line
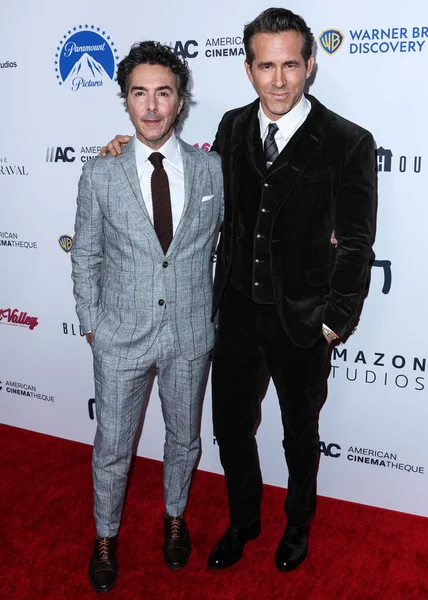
251, 345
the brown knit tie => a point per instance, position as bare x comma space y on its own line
161, 199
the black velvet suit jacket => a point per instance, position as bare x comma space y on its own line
328, 183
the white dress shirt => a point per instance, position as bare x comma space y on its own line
173, 165
288, 124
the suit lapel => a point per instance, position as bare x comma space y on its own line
127, 187
254, 142
129, 190
194, 180
307, 146
240, 144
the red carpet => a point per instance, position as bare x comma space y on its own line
46, 536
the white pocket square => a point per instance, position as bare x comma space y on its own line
206, 198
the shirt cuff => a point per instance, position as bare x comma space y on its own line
329, 332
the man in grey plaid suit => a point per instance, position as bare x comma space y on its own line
146, 224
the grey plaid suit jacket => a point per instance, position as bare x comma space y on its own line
123, 282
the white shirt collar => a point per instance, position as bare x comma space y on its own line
289, 122
171, 151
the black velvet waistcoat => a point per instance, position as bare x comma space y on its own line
251, 270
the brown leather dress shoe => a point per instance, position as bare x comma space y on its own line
176, 547
103, 569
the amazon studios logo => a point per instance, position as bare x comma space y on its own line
85, 58
396, 40
374, 369
9, 64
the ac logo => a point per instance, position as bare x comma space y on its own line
184, 49
330, 450
331, 40
56, 154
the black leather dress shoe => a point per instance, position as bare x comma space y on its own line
103, 569
293, 548
230, 547
176, 547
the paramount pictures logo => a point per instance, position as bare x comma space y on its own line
86, 57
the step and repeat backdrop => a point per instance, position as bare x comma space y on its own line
59, 104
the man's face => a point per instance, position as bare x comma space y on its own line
278, 72
153, 103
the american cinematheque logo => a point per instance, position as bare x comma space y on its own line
85, 57
370, 456
25, 389
13, 316
10, 239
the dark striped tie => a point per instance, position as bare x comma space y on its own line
270, 147
161, 200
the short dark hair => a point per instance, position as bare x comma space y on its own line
277, 20
153, 53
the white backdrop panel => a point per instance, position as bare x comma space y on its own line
373, 424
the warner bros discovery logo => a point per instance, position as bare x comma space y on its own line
379, 40
66, 242
331, 40
85, 58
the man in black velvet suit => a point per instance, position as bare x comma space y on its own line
294, 172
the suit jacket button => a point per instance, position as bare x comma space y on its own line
161, 302
165, 264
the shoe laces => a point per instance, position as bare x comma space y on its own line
175, 524
103, 547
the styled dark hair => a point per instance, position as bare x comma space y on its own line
277, 20
153, 53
